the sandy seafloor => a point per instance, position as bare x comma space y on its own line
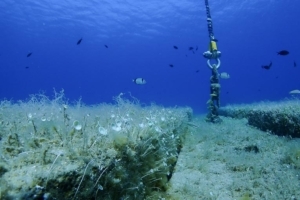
233, 160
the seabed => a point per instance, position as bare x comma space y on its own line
52, 149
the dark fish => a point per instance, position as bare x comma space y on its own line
79, 41
171, 65
175, 47
26, 67
283, 53
191, 48
196, 48
295, 64
28, 55
106, 46
197, 71
267, 66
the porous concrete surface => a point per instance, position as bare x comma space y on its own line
233, 160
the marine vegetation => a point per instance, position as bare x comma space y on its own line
53, 149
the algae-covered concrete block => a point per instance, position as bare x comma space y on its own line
281, 118
54, 150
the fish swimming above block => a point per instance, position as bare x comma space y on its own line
139, 81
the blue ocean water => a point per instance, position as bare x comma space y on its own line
140, 36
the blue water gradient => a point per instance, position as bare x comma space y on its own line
140, 36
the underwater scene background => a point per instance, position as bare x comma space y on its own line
139, 39
108, 100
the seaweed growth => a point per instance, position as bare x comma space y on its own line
54, 149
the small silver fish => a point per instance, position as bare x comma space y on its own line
224, 75
139, 81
